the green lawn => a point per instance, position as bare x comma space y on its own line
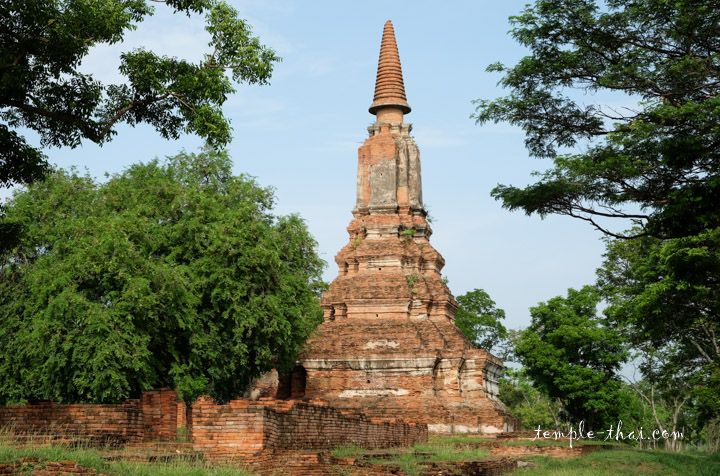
437, 449
626, 462
92, 458
621, 461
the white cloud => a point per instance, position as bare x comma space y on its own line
164, 33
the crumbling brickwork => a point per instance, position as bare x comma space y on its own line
160, 411
246, 430
388, 346
152, 417
254, 431
33, 466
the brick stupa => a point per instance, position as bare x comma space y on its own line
388, 346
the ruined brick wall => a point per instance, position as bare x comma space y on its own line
33, 466
160, 412
243, 429
181, 415
152, 417
117, 422
224, 432
306, 426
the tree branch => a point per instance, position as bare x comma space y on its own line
701, 350
127, 108
590, 211
179, 98
208, 63
65, 118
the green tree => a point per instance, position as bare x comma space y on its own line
656, 165
42, 43
170, 274
664, 295
533, 407
479, 319
668, 291
665, 390
571, 355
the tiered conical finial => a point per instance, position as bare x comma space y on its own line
389, 86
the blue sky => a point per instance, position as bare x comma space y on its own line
301, 133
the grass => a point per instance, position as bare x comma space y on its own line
448, 452
407, 461
171, 469
437, 449
432, 451
86, 457
340, 471
458, 439
93, 458
349, 451
626, 462
620, 461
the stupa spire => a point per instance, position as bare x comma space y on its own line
389, 86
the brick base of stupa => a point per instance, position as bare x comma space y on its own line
389, 369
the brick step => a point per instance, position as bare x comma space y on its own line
33, 466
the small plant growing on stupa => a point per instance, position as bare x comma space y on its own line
408, 234
428, 218
412, 279
356, 242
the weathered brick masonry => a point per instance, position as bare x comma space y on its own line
33, 466
251, 431
151, 417
388, 346
254, 431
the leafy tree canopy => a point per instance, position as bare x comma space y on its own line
479, 319
571, 356
42, 43
170, 274
656, 164
535, 409
526, 402
664, 295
